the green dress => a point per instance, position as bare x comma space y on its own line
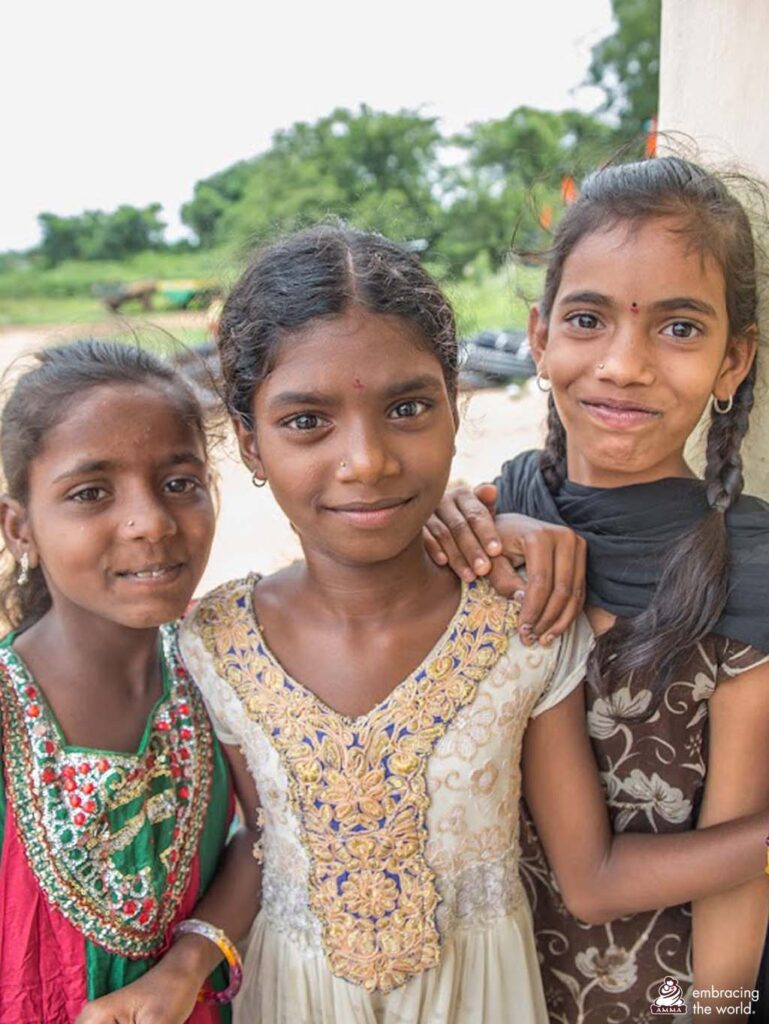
101, 853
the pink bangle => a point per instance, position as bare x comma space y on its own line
194, 926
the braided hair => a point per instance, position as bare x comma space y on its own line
693, 588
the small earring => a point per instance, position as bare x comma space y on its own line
723, 409
23, 576
258, 481
540, 383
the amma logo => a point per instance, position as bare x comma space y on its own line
670, 1001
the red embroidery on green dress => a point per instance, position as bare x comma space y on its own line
110, 837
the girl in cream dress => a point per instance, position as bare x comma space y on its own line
390, 888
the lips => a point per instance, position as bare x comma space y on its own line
619, 413
151, 573
370, 514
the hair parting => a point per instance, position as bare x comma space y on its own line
317, 274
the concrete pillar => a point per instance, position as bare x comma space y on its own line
714, 84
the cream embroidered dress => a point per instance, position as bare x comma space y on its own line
390, 844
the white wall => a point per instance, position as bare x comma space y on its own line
714, 87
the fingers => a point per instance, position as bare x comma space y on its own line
557, 561
487, 493
432, 547
464, 529
443, 540
482, 533
505, 580
576, 603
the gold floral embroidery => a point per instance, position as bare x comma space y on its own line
358, 785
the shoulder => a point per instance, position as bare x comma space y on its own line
514, 478
219, 605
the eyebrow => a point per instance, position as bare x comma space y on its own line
107, 465
662, 306
423, 382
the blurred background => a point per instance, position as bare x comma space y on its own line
149, 147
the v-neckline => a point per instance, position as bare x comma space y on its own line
355, 720
10, 652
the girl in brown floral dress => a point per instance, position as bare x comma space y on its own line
649, 313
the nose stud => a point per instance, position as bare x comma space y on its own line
342, 464
130, 522
602, 366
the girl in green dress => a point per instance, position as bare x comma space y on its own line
115, 801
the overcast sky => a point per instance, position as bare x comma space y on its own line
132, 102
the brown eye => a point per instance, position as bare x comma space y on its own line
304, 421
682, 329
405, 410
584, 321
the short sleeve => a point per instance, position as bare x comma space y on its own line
568, 670
221, 702
736, 657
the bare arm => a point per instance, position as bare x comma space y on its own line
167, 993
729, 929
603, 876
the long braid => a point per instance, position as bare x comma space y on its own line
552, 458
723, 471
655, 636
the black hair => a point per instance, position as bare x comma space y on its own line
40, 400
320, 273
692, 591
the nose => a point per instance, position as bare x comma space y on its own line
366, 456
145, 517
628, 357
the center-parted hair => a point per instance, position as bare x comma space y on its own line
692, 592
40, 400
318, 274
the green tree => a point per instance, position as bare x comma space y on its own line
626, 64
511, 178
379, 171
210, 199
96, 235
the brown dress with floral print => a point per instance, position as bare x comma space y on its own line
654, 774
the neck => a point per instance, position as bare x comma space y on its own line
355, 592
106, 650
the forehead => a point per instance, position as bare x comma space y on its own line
643, 263
113, 421
368, 348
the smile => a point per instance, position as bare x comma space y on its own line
151, 573
372, 515
619, 415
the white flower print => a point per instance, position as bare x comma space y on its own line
657, 797
604, 718
614, 969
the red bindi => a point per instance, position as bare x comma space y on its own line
634, 307
357, 383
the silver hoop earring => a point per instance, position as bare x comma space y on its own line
23, 576
723, 409
258, 481
540, 383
